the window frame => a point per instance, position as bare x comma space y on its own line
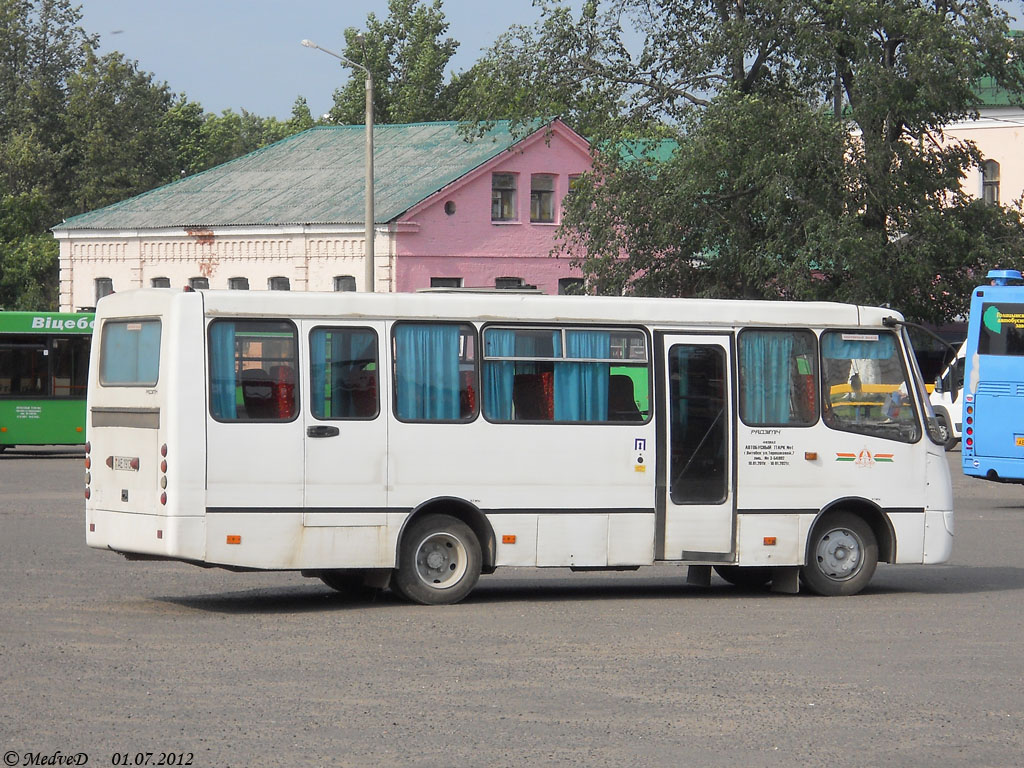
990, 182
544, 199
103, 351
841, 425
815, 352
295, 360
336, 283
107, 284
505, 195
377, 362
646, 363
474, 381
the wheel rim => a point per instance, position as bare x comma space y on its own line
441, 560
840, 554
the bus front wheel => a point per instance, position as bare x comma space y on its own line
842, 556
439, 561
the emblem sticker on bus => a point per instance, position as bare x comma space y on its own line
865, 458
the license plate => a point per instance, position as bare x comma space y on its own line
123, 463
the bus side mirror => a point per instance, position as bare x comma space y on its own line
955, 376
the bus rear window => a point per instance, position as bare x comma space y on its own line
1001, 331
130, 353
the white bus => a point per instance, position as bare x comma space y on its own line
418, 440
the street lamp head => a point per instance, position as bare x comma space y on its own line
310, 44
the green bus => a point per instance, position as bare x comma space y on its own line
44, 368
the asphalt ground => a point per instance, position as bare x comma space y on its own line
149, 663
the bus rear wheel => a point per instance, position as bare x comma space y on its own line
439, 561
843, 555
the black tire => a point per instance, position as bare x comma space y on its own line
949, 440
842, 556
745, 577
349, 583
439, 561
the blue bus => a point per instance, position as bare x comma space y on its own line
993, 415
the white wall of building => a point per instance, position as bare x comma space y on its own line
309, 257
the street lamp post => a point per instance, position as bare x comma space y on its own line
370, 276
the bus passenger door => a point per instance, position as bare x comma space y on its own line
696, 462
345, 432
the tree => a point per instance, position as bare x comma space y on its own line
811, 161
114, 122
542, 72
407, 56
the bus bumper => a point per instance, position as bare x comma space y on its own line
938, 536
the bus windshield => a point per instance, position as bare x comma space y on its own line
866, 388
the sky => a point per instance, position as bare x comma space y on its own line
247, 54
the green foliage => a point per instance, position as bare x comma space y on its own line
113, 117
29, 273
811, 160
79, 131
406, 54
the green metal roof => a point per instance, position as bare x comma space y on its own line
313, 177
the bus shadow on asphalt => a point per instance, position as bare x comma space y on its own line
902, 581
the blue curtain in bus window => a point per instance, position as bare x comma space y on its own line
835, 347
581, 389
427, 372
223, 401
766, 376
498, 374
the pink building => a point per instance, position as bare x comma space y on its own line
448, 213
497, 222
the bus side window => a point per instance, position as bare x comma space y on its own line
252, 370
778, 378
343, 371
434, 367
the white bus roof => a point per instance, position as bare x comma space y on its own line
514, 307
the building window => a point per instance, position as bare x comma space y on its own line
238, 283
542, 198
503, 197
104, 287
571, 286
990, 182
508, 283
160, 282
199, 282
279, 284
449, 207
344, 283
446, 282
